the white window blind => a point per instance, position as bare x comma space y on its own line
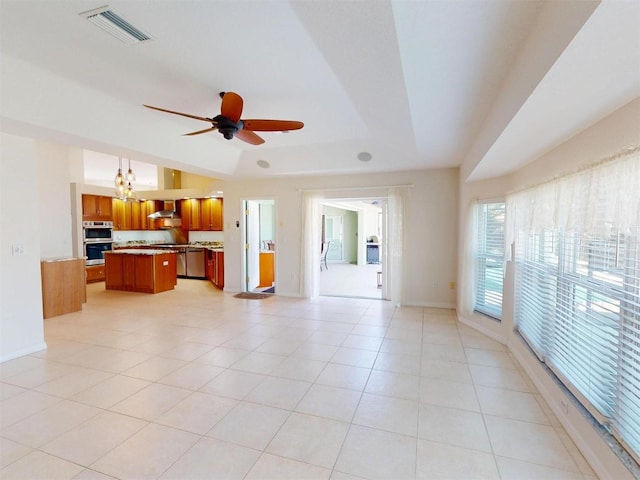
489, 258
577, 288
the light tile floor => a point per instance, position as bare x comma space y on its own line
194, 383
347, 280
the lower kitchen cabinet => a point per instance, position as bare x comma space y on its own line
219, 277
63, 286
140, 271
267, 267
215, 268
95, 273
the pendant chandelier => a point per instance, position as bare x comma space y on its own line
124, 189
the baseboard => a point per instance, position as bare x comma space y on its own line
449, 306
480, 328
24, 351
595, 450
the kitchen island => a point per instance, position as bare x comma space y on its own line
140, 270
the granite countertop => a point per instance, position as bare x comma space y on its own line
141, 251
137, 244
61, 259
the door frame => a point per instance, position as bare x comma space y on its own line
244, 240
361, 254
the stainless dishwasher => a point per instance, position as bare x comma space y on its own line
195, 263
181, 261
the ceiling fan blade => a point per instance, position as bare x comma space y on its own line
249, 137
210, 129
180, 113
272, 125
231, 106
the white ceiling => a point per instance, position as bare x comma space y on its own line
418, 84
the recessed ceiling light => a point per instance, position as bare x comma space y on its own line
263, 164
364, 156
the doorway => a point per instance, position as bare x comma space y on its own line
260, 245
353, 227
333, 228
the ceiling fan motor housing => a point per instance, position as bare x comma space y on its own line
227, 127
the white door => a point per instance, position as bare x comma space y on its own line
252, 244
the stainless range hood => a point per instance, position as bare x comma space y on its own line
169, 211
168, 216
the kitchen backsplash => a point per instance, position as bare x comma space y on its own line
204, 237
151, 236
162, 236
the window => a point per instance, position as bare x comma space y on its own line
489, 258
577, 288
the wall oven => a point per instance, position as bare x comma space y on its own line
97, 238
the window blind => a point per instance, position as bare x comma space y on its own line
489, 258
577, 289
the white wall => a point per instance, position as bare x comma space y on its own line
54, 200
21, 323
618, 131
430, 261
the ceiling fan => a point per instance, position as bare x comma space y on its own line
229, 124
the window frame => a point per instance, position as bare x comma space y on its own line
489, 250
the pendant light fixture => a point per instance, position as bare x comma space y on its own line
130, 175
124, 189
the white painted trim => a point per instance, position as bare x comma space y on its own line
449, 306
593, 447
24, 351
486, 331
600, 456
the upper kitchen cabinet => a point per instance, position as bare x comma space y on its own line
126, 215
190, 214
148, 207
211, 214
96, 208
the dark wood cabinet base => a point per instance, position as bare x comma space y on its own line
140, 272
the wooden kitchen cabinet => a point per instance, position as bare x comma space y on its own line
140, 271
219, 271
63, 286
95, 273
119, 216
267, 267
190, 213
113, 273
215, 268
127, 215
147, 208
211, 214
134, 213
96, 208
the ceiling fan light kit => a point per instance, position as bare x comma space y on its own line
230, 125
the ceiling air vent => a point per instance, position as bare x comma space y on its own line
115, 25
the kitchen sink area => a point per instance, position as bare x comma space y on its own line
191, 258
191, 261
